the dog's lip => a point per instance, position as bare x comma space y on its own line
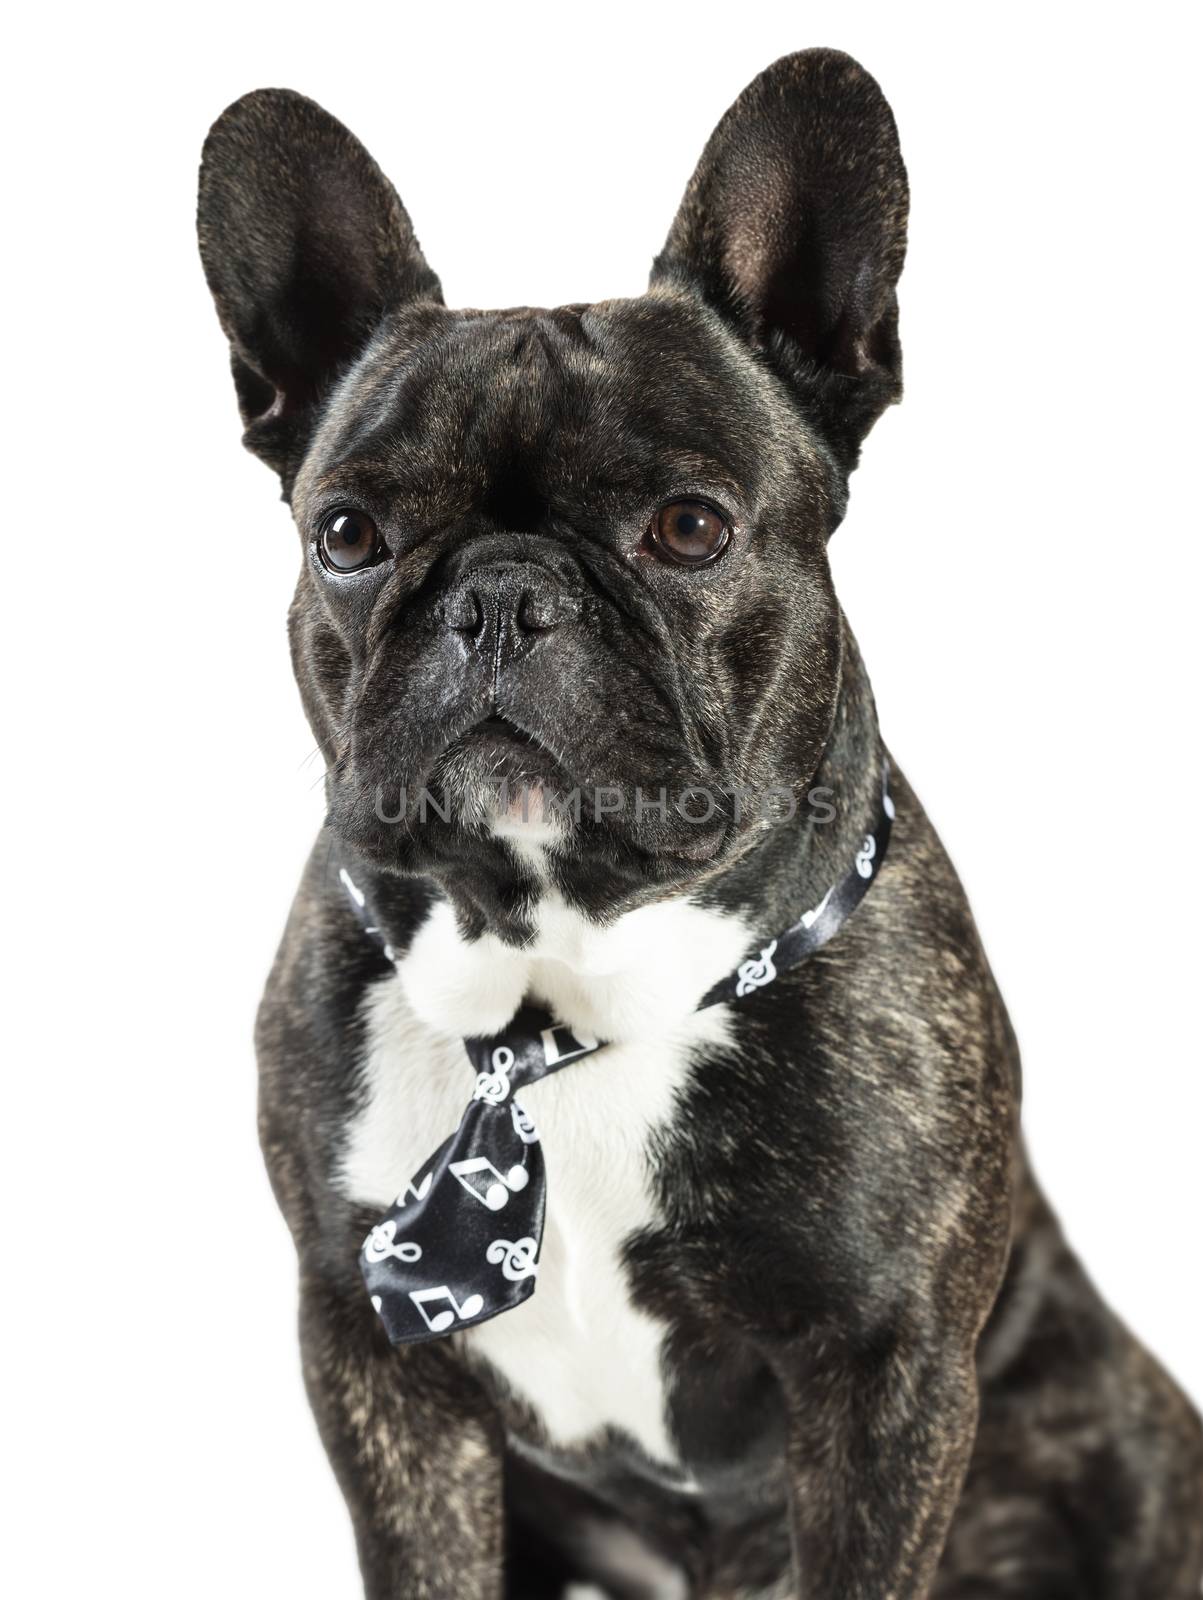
501, 730
495, 723
499, 734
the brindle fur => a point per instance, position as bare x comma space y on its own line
887, 1372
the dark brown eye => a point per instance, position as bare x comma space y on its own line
349, 541
689, 531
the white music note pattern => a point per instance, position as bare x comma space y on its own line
516, 1260
809, 918
381, 1244
864, 856
493, 1087
484, 1183
758, 971
415, 1191
457, 1310
524, 1126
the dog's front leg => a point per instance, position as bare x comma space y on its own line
416, 1448
879, 1442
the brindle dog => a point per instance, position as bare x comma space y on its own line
810, 1328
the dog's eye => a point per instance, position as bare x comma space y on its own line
349, 541
689, 531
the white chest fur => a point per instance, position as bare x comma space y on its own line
578, 1351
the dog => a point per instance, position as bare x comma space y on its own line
600, 742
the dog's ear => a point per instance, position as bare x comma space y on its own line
306, 247
794, 228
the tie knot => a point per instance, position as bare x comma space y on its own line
530, 1047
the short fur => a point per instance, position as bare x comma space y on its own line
885, 1376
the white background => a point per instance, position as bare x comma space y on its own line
1020, 564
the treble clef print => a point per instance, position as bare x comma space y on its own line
381, 1243
865, 855
494, 1086
516, 1259
757, 971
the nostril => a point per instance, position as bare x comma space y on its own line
461, 611
539, 611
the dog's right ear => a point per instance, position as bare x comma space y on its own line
305, 247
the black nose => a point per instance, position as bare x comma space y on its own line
502, 609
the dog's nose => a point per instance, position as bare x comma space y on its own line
504, 608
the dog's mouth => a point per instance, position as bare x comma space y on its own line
499, 728
499, 753
512, 745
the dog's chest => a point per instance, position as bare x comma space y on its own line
579, 1351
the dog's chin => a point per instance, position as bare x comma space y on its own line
496, 787
503, 780
483, 801
495, 773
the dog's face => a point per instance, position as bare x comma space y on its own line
564, 572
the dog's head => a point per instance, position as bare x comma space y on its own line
564, 572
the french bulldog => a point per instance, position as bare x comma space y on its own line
804, 1325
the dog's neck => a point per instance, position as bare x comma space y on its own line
643, 972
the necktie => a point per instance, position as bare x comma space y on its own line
461, 1242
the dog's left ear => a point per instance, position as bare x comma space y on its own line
306, 248
794, 228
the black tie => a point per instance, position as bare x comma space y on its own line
461, 1242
